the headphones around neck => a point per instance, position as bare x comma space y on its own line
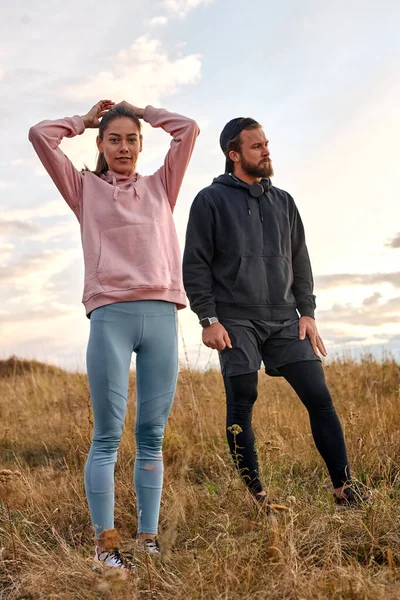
258, 188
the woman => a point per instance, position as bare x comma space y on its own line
133, 287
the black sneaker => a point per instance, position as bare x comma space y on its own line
353, 496
114, 559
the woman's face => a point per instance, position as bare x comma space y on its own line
121, 145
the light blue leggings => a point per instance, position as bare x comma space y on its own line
147, 327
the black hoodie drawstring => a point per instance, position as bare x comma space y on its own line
245, 188
248, 202
261, 209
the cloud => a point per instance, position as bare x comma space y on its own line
27, 266
372, 300
395, 242
41, 313
33, 232
53, 208
7, 227
394, 338
144, 73
23, 77
29, 278
372, 321
34, 301
389, 337
182, 7
325, 282
6, 250
339, 337
369, 314
159, 21
32, 339
348, 340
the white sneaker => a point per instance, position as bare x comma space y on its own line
150, 545
114, 559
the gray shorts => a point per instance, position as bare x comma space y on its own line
275, 343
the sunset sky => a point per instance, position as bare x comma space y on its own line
321, 77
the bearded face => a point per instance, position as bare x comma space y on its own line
252, 159
262, 168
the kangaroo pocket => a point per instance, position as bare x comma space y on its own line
263, 280
133, 256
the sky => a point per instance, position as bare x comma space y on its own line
321, 77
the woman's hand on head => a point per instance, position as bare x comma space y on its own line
92, 118
138, 111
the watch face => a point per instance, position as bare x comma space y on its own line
207, 321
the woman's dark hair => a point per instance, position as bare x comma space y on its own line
111, 115
235, 144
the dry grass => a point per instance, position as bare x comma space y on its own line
216, 545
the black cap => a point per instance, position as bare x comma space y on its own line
231, 130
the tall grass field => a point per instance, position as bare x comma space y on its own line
216, 544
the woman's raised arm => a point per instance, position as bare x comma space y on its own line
46, 137
184, 132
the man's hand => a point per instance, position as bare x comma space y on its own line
308, 327
216, 337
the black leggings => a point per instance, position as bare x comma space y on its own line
308, 380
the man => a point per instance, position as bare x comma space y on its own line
248, 277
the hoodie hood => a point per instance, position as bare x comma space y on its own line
231, 181
121, 182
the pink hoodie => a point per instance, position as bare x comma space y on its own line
130, 246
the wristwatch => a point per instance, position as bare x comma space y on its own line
207, 321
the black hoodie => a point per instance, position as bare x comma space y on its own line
246, 257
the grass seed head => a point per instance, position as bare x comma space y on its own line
235, 429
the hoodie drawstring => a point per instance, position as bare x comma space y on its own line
135, 190
260, 208
245, 187
248, 202
116, 189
